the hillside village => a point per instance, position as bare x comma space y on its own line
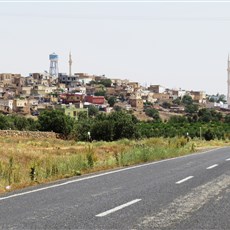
72, 94
75, 93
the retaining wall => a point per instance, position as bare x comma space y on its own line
33, 134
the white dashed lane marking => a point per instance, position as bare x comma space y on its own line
185, 179
118, 208
212, 166
228, 159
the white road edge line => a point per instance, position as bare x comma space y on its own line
228, 159
117, 208
103, 174
212, 166
185, 179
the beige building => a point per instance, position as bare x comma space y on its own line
6, 105
198, 96
136, 101
42, 90
21, 106
161, 96
9, 78
26, 90
134, 85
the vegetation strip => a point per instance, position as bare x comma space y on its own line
30, 161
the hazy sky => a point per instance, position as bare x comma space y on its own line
177, 45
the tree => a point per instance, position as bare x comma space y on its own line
56, 121
117, 108
4, 122
204, 115
191, 108
102, 130
177, 101
222, 98
227, 118
208, 115
187, 100
124, 125
106, 82
82, 115
92, 110
112, 101
152, 113
21, 123
166, 105
211, 99
100, 93
177, 119
81, 129
209, 135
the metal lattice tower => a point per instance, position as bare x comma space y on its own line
53, 65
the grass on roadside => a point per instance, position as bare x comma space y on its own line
27, 161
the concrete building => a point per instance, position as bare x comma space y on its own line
156, 88
66, 79
71, 110
85, 78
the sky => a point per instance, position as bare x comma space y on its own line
173, 44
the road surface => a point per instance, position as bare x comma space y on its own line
190, 192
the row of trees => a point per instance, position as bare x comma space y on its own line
208, 124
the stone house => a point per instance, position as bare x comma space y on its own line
6, 105
39, 79
42, 90
198, 96
133, 85
136, 101
26, 90
21, 106
161, 96
8, 78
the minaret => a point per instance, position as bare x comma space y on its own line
70, 64
228, 93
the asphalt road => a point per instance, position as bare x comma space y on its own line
191, 192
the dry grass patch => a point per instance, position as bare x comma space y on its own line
52, 159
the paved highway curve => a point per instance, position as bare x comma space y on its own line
190, 192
